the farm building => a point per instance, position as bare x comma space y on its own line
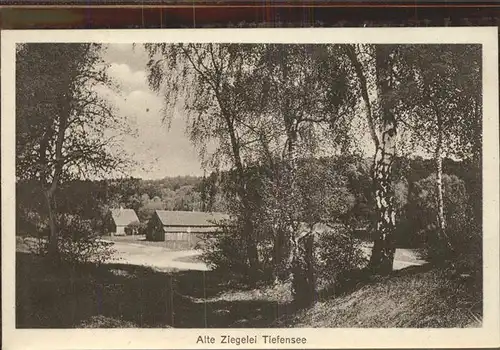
119, 219
185, 226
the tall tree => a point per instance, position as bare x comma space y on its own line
63, 122
445, 99
374, 66
309, 99
212, 79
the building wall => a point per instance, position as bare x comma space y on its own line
177, 236
155, 230
184, 240
120, 231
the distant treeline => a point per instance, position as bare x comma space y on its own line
92, 199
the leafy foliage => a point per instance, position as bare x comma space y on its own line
338, 253
443, 84
324, 193
133, 228
66, 129
66, 95
324, 197
78, 243
462, 243
224, 251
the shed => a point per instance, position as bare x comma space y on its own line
186, 226
119, 219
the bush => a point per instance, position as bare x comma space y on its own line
224, 251
77, 243
337, 253
133, 228
462, 243
142, 228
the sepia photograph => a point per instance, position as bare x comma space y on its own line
219, 182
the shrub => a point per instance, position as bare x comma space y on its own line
224, 251
142, 228
133, 228
337, 253
77, 242
30, 222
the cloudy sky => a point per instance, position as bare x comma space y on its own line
160, 150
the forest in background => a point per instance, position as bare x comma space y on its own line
92, 200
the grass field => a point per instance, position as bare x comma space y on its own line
415, 297
117, 295
122, 295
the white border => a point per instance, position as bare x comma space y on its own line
486, 336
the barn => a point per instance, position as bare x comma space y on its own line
186, 226
119, 219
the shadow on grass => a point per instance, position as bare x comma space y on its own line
353, 280
119, 295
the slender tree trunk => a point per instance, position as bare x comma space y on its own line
310, 273
279, 254
382, 258
383, 250
302, 270
301, 252
253, 256
203, 195
251, 246
439, 179
379, 110
439, 186
299, 261
291, 187
58, 169
303, 283
53, 248
48, 194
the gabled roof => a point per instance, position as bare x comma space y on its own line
190, 218
123, 217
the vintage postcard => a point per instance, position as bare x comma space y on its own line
250, 188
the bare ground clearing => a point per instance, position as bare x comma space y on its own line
162, 258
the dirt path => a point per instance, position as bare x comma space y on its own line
163, 259
156, 257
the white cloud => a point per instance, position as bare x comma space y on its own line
162, 151
143, 105
127, 79
135, 57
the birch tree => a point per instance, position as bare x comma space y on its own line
211, 81
445, 99
307, 108
373, 66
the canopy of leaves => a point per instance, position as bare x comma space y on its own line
442, 81
254, 93
58, 88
